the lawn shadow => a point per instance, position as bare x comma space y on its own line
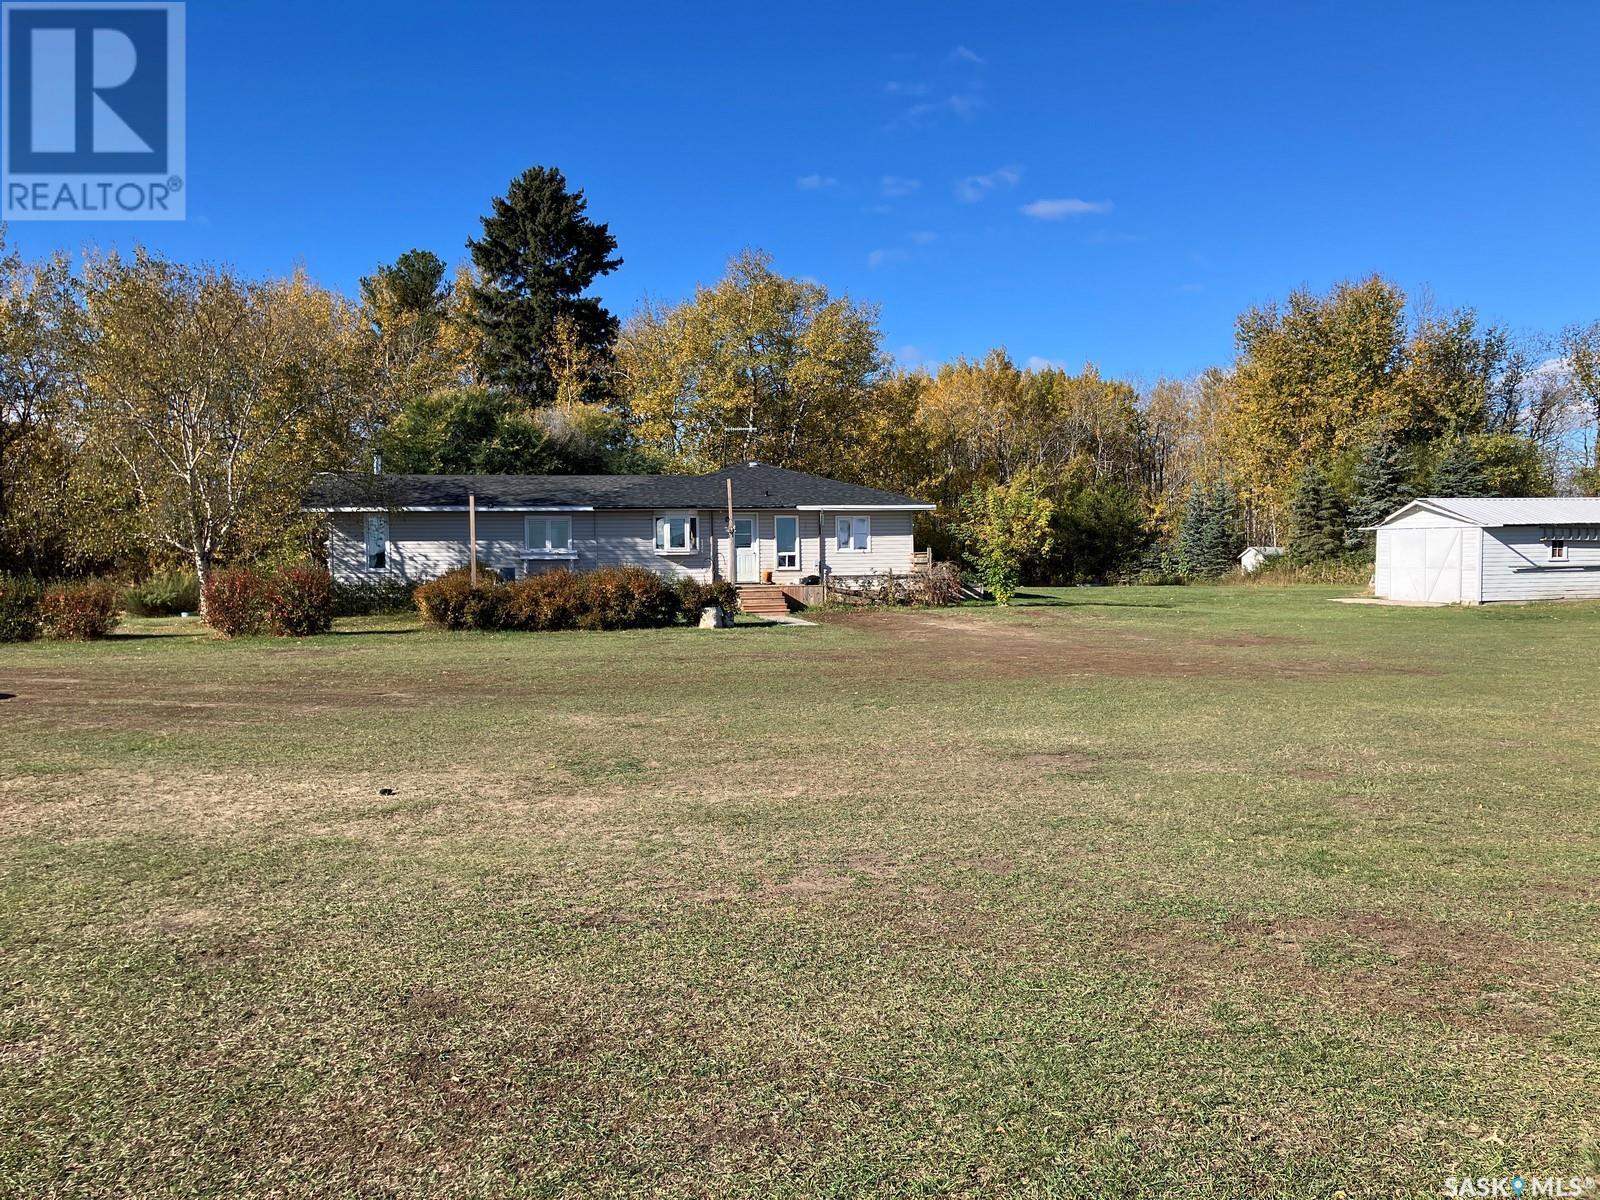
370, 632
1038, 600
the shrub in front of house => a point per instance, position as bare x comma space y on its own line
163, 595
19, 608
297, 601
78, 612
693, 595
547, 601
608, 598
374, 598
628, 598
939, 584
235, 601
452, 601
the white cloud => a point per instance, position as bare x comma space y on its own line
965, 105
883, 257
975, 187
815, 183
898, 185
1065, 206
1038, 362
962, 54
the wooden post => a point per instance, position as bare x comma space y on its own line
472, 539
822, 555
733, 538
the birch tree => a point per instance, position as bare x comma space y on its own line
218, 396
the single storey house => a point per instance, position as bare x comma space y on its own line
797, 526
1477, 551
1255, 557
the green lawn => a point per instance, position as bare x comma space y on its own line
1190, 891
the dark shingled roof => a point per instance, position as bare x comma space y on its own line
755, 485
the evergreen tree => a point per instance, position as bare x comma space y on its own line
537, 256
1381, 486
1316, 517
1191, 534
1459, 472
1223, 539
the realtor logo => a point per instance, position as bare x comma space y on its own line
93, 126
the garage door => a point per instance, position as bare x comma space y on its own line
1425, 564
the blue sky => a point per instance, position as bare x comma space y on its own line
1107, 183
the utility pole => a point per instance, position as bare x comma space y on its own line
472, 539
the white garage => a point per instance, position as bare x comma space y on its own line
1478, 551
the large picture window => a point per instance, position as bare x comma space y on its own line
854, 533
787, 530
548, 535
677, 533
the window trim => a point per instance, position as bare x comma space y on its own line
373, 519
778, 554
1551, 548
547, 551
852, 548
692, 531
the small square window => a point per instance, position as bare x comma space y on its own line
548, 535
676, 533
1558, 551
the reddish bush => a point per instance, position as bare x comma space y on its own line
234, 599
628, 598
298, 602
546, 601
452, 602
78, 612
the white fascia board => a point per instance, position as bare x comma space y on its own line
532, 508
850, 508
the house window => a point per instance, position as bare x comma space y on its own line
1558, 551
677, 533
377, 534
854, 533
548, 535
787, 530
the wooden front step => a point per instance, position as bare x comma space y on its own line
763, 599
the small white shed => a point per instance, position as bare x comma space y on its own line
1477, 551
1255, 557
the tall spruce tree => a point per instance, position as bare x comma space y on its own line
1460, 472
1191, 535
1381, 486
538, 254
1316, 518
1223, 537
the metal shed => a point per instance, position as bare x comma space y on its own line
1477, 551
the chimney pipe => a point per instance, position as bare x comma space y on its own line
377, 462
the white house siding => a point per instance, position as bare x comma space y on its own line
426, 545
1383, 574
1472, 566
1516, 566
890, 547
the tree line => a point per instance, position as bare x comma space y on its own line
154, 412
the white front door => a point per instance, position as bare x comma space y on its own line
746, 555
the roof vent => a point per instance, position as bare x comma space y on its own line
752, 463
